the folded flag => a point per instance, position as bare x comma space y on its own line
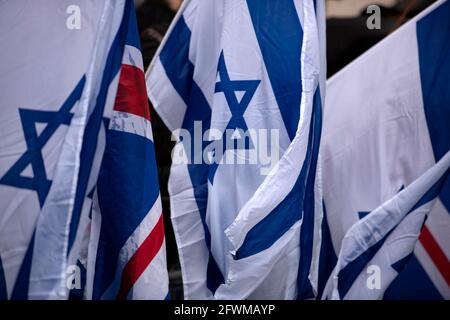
385, 125
376, 249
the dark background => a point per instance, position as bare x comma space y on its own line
347, 38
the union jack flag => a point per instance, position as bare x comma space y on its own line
127, 256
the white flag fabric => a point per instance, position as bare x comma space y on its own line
385, 124
240, 84
57, 65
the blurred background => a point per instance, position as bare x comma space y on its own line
347, 38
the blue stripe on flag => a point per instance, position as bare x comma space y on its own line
280, 39
132, 38
20, 291
264, 234
90, 137
127, 189
351, 271
3, 290
328, 258
433, 36
175, 60
275, 224
174, 57
307, 229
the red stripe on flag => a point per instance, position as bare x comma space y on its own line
132, 93
436, 254
141, 259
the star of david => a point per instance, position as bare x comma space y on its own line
237, 107
36, 142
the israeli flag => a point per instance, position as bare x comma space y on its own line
240, 84
377, 248
56, 69
385, 132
